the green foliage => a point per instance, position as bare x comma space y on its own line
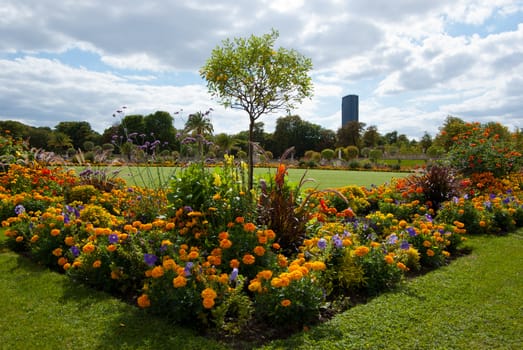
250, 74
281, 209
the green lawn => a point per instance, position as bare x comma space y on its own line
474, 303
147, 176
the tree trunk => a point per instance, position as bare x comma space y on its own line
250, 155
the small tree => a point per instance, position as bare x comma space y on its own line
249, 74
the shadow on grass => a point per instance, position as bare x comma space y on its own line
125, 326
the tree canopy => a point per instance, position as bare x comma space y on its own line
251, 75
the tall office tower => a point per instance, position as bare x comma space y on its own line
349, 109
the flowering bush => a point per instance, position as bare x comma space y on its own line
482, 148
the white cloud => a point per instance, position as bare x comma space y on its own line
399, 56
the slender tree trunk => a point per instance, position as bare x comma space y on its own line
251, 156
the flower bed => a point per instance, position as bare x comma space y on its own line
208, 252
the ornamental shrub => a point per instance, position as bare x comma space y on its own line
485, 148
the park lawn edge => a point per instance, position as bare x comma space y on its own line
475, 302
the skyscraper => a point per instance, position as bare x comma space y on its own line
349, 109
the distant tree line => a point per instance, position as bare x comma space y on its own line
132, 136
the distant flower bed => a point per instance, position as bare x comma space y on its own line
208, 252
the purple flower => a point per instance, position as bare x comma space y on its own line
113, 238
187, 269
234, 274
405, 245
412, 231
322, 243
428, 217
75, 251
19, 209
336, 239
393, 238
150, 259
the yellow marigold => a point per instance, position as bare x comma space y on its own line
445, 253
208, 293
276, 246
88, 248
97, 264
296, 275
179, 281
374, 244
259, 250
318, 266
458, 224
143, 301
265, 274
77, 263
169, 226
361, 251
19, 239
285, 302
61, 261
277, 282
427, 244
208, 303
239, 220
55, 232
430, 252
249, 227
147, 227
223, 235
69, 241
137, 223
248, 259
157, 272
111, 248
57, 252
66, 266
389, 259
255, 286
34, 238
282, 260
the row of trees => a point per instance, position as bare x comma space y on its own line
156, 132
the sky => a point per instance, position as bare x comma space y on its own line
411, 62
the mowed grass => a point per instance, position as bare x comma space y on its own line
320, 178
474, 303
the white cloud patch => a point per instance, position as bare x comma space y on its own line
409, 69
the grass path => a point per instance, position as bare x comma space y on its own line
474, 303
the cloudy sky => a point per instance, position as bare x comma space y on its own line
412, 62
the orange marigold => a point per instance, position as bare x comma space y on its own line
259, 250
285, 302
361, 251
248, 259
179, 281
157, 272
143, 301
